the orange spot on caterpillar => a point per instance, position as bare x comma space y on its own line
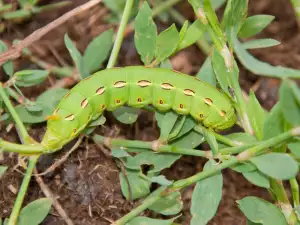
181, 106
208, 101
222, 113
70, 117
167, 86
118, 101
161, 102
120, 84
52, 117
189, 92
100, 91
67, 95
139, 99
144, 83
84, 103
74, 132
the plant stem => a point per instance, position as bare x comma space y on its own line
150, 200
163, 6
20, 126
202, 44
220, 138
23, 189
26, 149
256, 150
149, 145
295, 191
204, 174
120, 34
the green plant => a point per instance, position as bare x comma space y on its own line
24, 11
266, 153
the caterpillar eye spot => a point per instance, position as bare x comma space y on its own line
120, 84
84, 103
55, 111
222, 113
189, 92
70, 117
208, 101
161, 102
139, 100
118, 101
167, 86
201, 115
103, 106
144, 83
181, 106
100, 91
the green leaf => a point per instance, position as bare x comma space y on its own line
244, 167
166, 43
193, 34
276, 165
35, 212
223, 75
254, 25
97, 122
139, 187
76, 56
289, 105
191, 139
257, 178
188, 124
2, 170
97, 51
295, 148
119, 153
177, 127
20, 14
256, 115
27, 78
157, 162
206, 197
8, 66
260, 43
261, 68
234, 17
162, 180
260, 211
48, 101
168, 205
206, 72
166, 122
211, 140
126, 115
249, 222
145, 220
145, 34
183, 31
274, 122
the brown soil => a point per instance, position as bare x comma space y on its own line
87, 185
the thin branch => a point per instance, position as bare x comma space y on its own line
15, 51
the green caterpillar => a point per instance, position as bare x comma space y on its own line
137, 87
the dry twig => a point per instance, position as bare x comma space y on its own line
15, 51
47, 192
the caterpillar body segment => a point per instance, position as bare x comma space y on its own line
136, 86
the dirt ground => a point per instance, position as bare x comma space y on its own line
87, 185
